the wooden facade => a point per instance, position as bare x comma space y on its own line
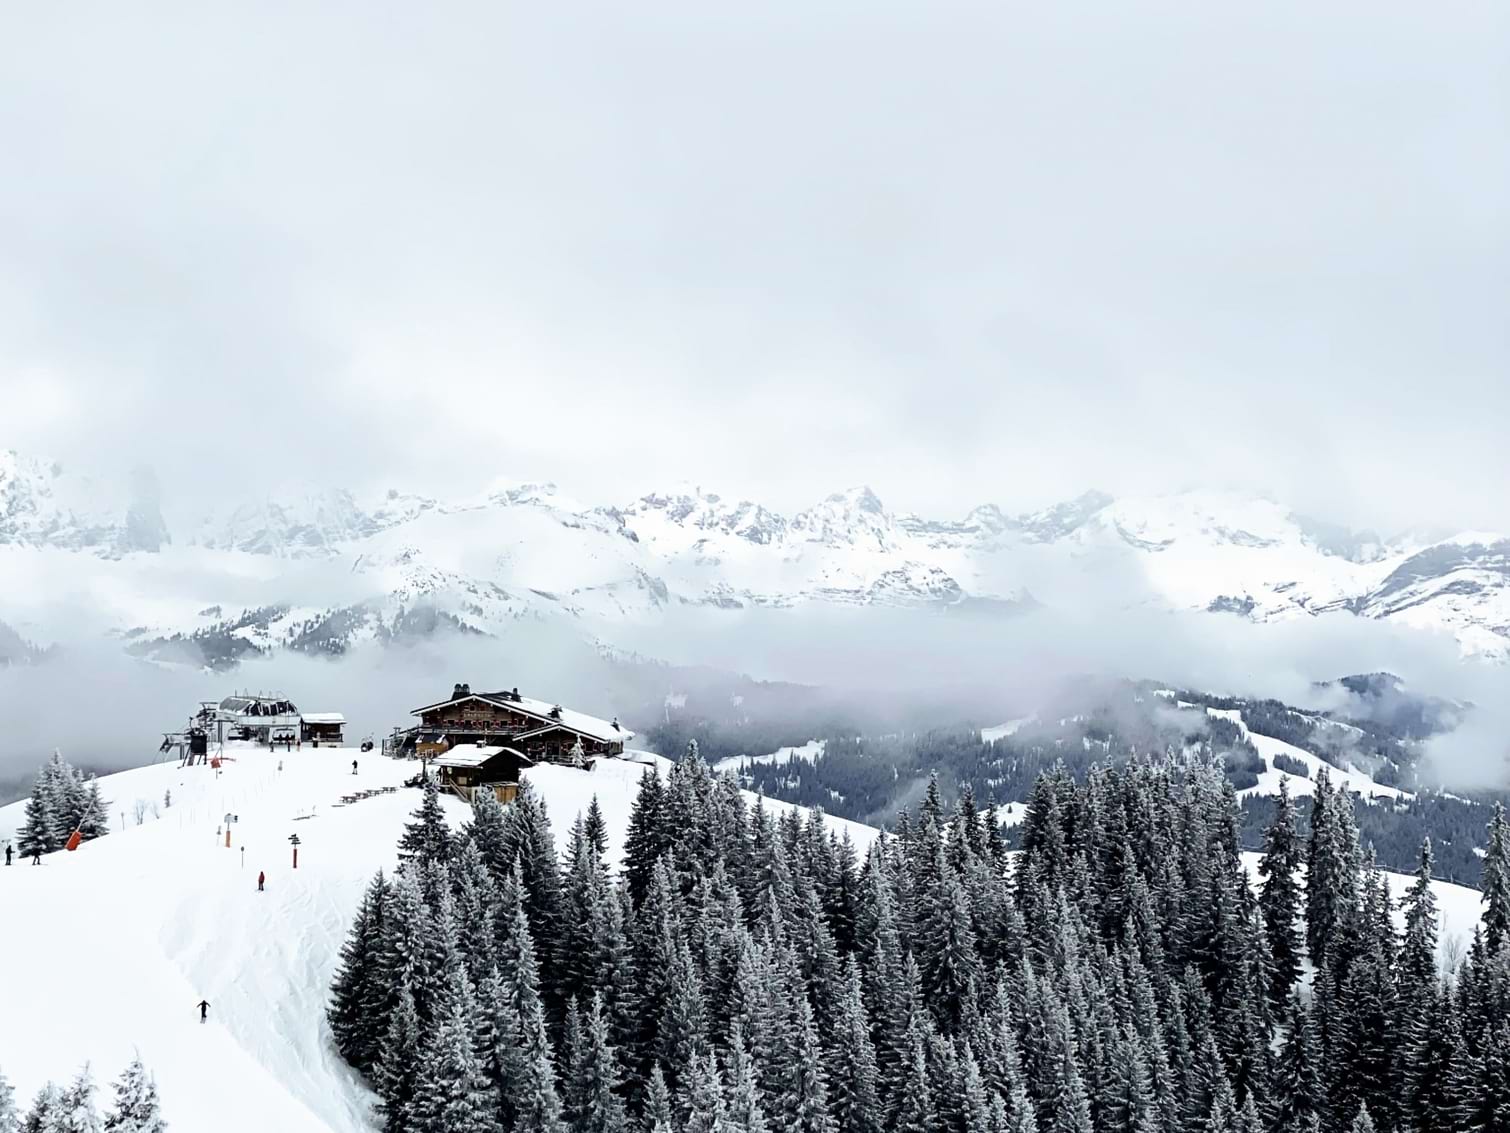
465, 770
325, 728
541, 731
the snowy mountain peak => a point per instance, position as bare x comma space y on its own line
521, 550
1063, 520
855, 517
44, 505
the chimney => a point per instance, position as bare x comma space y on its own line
516, 692
456, 691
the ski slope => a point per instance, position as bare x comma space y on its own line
106, 951
1269, 779
805, 753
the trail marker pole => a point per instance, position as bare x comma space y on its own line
294, 839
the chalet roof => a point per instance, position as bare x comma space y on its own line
470, 756
592, 727
323, 718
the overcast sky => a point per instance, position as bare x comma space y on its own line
960, 252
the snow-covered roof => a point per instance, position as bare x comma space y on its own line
323, 718
608, 731
469, 756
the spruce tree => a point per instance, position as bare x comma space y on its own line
1297, 1085
1280, 899
746, 1113
76, 1108
36, 835
397, 1069
358, 981
592, 1078
852, 1076
1495, 882
427, 836
645, 840
452, 1093
660, 1115
93, 820
704, 1102
10, 1119
1332, 867
596, 828
533, 1088
805, 1088
136, 1108
47, 1113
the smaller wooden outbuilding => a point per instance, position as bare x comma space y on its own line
328, 728
468, 768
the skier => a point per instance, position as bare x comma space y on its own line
353, 767
7, 853
36, 857
204, 1010
261, 880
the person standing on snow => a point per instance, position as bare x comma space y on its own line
36, 857
353, 767
261, 880
7, 853
204, 1010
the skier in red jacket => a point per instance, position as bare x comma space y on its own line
261, 879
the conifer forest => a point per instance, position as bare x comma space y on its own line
743, 973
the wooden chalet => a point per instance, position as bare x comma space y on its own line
537, 730
467, 769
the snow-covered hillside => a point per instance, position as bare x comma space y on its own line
107, 950
317, 569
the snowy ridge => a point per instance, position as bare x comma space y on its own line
526, 551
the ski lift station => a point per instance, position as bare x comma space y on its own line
261, 718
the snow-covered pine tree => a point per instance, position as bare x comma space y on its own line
77, 1112
93, 821
596, 828
532, 1089
852, 1077
1280, 898
592, 1077
427, 836
10, 1119
1297, 1079
46, 1113
38, 830
452, 1093
646, 838
136, 1108
660, 1114
704, 1097
357, 985
397, 1071
532, 849
1495, 882
746, 1113
1331, 867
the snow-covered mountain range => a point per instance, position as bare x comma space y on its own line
320, 569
